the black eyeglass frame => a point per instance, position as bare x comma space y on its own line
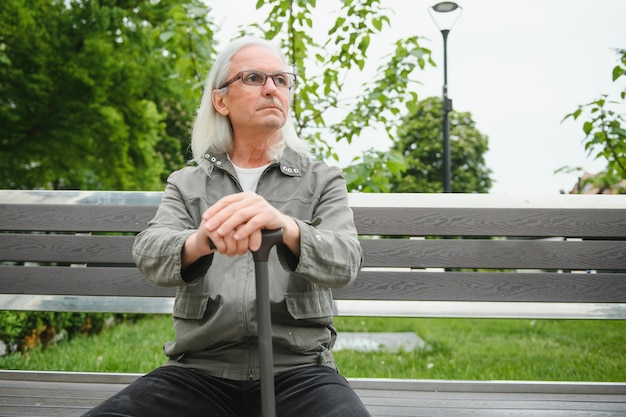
240, 76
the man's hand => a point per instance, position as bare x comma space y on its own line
238, 220
234, 225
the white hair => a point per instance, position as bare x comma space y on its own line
213, 132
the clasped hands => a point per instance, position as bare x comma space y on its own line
234, 225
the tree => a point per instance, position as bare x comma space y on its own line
98, 94
374, 171
343, 55
605, 134
419, 141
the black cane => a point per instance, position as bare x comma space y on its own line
266, 355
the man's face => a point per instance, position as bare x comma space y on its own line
251, 108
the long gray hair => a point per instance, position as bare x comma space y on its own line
213, 132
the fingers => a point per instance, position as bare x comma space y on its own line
241, 213
235, 222
228, 245
215, 215
232, 211
255, 240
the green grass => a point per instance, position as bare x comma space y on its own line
134, 346
466, 349
472, 349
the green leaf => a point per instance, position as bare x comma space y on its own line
364, 44
338, 24
618, 130
377, 23
167, 35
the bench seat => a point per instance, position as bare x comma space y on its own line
24, 393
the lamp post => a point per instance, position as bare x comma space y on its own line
445, 15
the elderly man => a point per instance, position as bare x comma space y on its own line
252, 173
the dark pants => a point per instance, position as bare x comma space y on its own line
172, 391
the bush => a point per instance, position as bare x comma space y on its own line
22, 330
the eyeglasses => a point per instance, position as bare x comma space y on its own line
258, 78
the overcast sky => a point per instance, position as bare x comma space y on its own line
517, 66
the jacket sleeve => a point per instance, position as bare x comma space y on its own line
157, 250
330, 253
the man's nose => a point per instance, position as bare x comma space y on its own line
270, 86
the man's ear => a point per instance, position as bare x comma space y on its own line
219, 103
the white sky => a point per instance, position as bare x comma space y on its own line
517, 66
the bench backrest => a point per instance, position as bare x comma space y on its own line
426, 255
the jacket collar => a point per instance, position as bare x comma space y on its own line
290, 163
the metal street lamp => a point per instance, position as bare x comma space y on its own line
445, 15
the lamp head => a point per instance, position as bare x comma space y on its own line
445, 14
445, 6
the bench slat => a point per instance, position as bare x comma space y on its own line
449, 221
66, 248
477, 253
74, 218
429, 253
608, 223
367, 308
370, 285
96, 281
475, 286
29, 396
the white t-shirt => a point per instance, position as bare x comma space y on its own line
249, 177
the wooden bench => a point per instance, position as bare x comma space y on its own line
564, 257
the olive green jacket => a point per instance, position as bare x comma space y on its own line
215, 317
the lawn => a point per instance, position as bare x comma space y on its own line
464, 349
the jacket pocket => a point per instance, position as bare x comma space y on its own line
190, 305
310, 305
313, 328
